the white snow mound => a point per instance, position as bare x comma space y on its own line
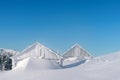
41, 64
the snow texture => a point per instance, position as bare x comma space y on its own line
32, 66
95, 69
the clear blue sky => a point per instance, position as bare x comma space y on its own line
58, 24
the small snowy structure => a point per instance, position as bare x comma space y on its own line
76, 53
38, 50
41, 69
41, 57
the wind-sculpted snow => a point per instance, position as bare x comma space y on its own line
38, 62
42, 64
96, 69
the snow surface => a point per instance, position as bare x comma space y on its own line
38, 62
100, 68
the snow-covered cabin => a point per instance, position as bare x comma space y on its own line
77, 52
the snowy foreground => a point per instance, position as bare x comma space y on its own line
38, 62
100, 68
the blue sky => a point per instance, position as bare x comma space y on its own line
58, 24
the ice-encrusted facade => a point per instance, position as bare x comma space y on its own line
38, 50
77, 52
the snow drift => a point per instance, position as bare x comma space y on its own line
40, 63
95, 69
36, 64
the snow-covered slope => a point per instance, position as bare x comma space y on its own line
36, 64
8, 52
95, 69
41, 64
76, 52
38, 50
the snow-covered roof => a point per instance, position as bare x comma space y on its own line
76, 51
38, 50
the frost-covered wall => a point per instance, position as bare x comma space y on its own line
77, 52
39, 51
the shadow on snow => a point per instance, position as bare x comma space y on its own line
74, 64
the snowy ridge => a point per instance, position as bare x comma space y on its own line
110, 57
